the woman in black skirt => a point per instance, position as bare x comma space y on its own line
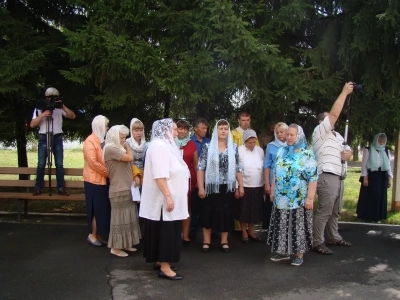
376, 178
164, 199
216, 177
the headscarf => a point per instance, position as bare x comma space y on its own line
212, 168
249, 133
182, 142
373, 161
112, 138
276, 141
99, 127
162, 130
299, 143
132, 142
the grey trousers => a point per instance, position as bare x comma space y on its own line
330, 194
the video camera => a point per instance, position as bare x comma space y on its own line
358, 88
51, 103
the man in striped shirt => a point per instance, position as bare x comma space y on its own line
330, 152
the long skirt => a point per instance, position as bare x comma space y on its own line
124, 229
372, 200
98, 206
216, 211
162, 241
248, 209
290, 231
267, 210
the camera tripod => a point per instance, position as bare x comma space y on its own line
49, 147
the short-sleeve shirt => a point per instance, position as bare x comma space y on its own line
269, 160
251, 163
119, 172
162, 163
56, 118
199, 145
327, 146
292, 177
188, 153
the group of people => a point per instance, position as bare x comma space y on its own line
221, 184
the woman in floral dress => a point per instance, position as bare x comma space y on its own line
292, 193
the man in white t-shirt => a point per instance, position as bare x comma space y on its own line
330, 152
49, 120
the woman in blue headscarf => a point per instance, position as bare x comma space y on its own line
217, 173
376, 178
292, 193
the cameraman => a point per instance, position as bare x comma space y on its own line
49, 117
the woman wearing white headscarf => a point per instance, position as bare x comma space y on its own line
292, 192
273, 147
164, 199
95, 182
376, 178
124, 230
217, 173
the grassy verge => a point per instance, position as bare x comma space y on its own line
74, 159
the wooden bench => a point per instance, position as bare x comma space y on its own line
22, 189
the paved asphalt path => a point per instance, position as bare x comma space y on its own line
44, 260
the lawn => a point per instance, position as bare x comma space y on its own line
74, 159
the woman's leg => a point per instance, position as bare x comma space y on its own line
93, 234
206, 237
166, 269
185, 229
224, 239
251, 230
244, 230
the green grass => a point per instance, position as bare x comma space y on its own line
74, 159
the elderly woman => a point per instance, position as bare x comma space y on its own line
189, 153
95, 182
293, 190
273, 147
376, 178
249, 208
217, 173
164, 199
124, 231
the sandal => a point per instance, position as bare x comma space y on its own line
341, 243
245, 240
322, 249
205, 249
255, 238
225, 249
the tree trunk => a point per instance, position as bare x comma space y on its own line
167, 104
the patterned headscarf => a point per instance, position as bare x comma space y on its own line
162, 130
112, 137
276, 141
299, 143
212, 168
373, 162
132, 142
99, 127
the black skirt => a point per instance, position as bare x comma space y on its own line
216, 211
372, 200
249, 208
98, 206
162, 241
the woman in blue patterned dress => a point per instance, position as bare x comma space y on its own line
292, 193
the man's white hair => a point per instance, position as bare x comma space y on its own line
51, 92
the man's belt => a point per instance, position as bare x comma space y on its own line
58, 134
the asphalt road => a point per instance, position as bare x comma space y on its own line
45, 260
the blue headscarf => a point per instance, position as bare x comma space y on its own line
375, 150
212, 168
299, 143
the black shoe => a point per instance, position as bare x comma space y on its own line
161, 274
226, 250
37, 192
256, 238
205, 250
63, 192
157, 267
185, 242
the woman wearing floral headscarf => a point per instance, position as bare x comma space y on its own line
190, 156
124, 230
292, 192
164, 199
273, 147
95, 181
217, 173
376, 179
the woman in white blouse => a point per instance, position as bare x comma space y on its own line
376, 178
164, 199
249, 208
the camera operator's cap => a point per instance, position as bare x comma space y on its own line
249, 133
50, 92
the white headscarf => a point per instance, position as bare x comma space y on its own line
132, 142
212, 168
112, 137
162, 130
99, 127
